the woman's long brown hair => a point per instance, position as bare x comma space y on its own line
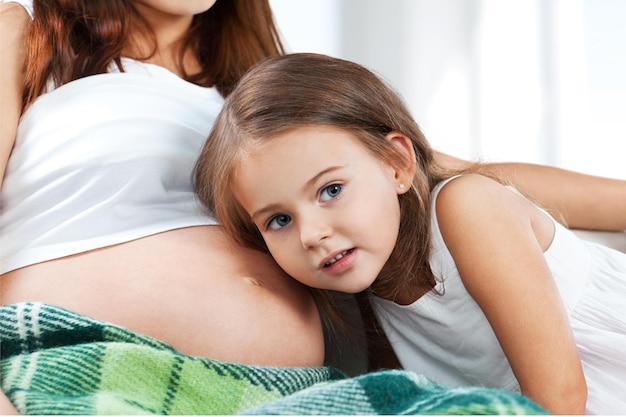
71, 39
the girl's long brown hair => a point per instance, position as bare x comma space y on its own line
307, 90
71, 39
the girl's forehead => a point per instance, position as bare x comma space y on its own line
314, 134
298, 141
300, 145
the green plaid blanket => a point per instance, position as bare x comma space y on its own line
54, 361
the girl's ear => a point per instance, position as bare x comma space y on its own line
403, 174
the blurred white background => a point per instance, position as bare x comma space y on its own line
524, 80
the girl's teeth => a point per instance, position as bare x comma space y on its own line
338, 257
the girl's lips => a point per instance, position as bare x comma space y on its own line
339, 263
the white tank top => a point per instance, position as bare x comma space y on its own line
103, 160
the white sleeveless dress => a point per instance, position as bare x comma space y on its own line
448, 338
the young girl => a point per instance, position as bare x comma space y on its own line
316, 161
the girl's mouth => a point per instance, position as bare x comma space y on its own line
337, 258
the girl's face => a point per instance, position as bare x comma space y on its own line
326, 208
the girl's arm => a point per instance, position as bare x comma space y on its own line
584, 201
497, 239
14, 22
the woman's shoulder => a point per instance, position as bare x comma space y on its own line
26, 4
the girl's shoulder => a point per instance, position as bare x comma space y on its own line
474, 201
474, 209
468, 191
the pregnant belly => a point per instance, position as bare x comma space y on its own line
191, 288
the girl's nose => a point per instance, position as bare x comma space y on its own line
314, 232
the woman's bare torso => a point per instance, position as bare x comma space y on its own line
191, 288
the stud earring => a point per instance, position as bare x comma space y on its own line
401, 186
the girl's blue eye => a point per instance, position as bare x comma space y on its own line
331, 191
278, 222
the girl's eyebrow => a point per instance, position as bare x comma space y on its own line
263, 210
308, 184
313, 180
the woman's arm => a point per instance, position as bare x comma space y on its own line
497, 239
584, 201
6, 408
14, 21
